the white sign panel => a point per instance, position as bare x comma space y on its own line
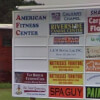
32, 64
38, 91
66, 52
92, 79
67, 16
31, 52
32, 41
94, 12
93, 40
28, 24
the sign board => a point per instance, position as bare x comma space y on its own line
93, 52
66, 65
28, 90
63, 78
93, 40
92, 79
31, 78
66, 52
56, 53
93, 65
66, 40
66, 28
66, 91
93, 20
93, 92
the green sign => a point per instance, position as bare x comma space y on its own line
93, 92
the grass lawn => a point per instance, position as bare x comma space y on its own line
5, 94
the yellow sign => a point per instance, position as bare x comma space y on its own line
66, 65
63, 78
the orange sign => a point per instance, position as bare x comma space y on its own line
92, 65
66, 91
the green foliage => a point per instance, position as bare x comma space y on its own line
7, 6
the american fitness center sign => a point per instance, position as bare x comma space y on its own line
56, 53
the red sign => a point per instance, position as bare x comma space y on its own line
66, 91
93, 24
66, 40
31, 78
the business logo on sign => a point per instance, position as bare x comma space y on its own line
93, 24
56, 16
66, 40
18, 90
66, 28
66, 91
93, 65
93, 92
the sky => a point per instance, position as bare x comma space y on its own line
66, 2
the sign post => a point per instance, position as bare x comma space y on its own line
56, 53
32, 98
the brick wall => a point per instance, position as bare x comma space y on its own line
5, 55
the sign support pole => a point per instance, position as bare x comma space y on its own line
32, 99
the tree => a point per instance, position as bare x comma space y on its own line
7, 6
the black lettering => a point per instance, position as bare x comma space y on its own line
52, 91
79, 91
73, 92
67, 91
57, 90
61, 92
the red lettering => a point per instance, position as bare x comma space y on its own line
18, 18
18, 32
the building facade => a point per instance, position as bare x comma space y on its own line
5, 53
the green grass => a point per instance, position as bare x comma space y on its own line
5, 85
5, 94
